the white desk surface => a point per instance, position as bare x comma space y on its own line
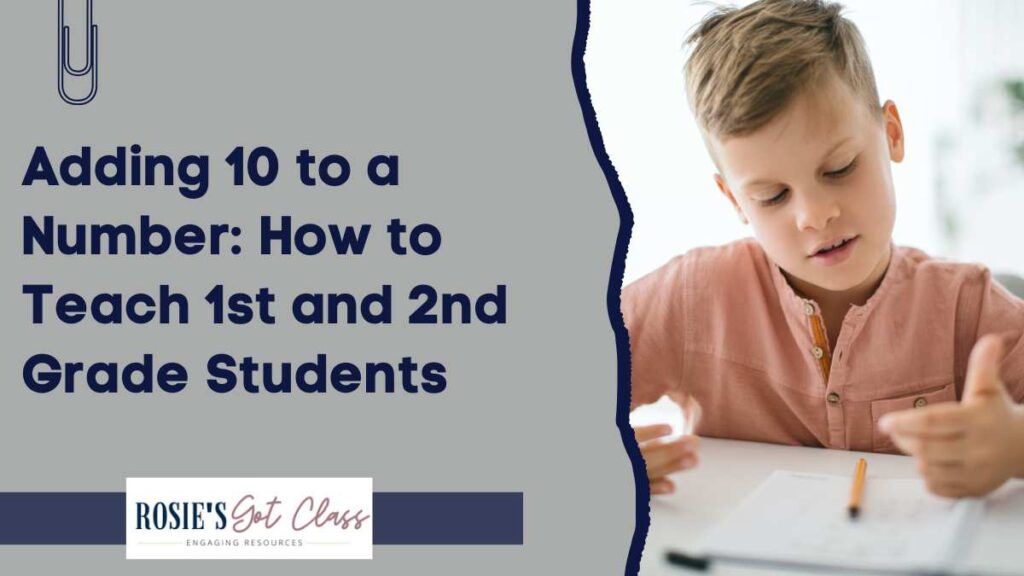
729, 470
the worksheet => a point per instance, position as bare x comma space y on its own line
798, 518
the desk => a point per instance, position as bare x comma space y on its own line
729, 470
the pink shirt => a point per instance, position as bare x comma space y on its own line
721, 325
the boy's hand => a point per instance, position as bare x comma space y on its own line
970, 448
662, 457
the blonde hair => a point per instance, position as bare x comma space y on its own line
747, 64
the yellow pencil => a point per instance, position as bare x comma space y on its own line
858, 487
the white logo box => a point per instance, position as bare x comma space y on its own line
244, 518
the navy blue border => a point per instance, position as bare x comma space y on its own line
643, 497
428, 518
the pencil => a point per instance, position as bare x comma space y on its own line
858, 487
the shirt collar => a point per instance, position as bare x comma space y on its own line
794, 304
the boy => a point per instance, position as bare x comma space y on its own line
821, 332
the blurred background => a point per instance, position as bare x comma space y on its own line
955, 69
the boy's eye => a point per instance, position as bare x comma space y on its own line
842, 171
775, 199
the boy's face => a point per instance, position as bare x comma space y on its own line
816, 175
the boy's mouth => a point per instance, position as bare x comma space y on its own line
832, 245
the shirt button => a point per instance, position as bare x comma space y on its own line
808, 309
818, 352
920, 403
832, 398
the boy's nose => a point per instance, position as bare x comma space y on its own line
816, 212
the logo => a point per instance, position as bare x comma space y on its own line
235, 518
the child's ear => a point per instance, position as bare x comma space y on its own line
893, 130
724, 188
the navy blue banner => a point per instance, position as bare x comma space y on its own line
398, 518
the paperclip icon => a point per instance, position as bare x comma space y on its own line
64, 66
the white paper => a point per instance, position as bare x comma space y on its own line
797, 518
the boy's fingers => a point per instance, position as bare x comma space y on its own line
947, 489
903, 443
663, 486
645, 433
672, 466
939, 472
950, 450
663, 456
670, 457
983, 369
941, 420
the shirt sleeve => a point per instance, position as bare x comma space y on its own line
652, 308
1000, 312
